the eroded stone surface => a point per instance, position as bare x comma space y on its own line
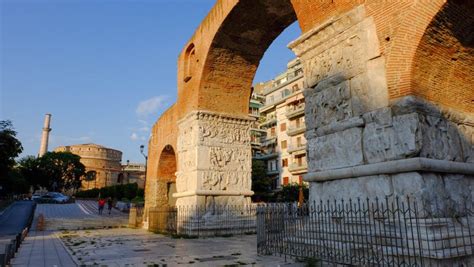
389, 141
337, 150
214, 160
441, 194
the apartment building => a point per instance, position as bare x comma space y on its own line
256, 134
283, 146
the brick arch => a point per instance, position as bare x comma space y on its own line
167, 164
236, 50
227, 49
443, 64
217, 65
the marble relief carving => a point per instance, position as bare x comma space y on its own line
216, 155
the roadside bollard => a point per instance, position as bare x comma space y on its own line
40, 224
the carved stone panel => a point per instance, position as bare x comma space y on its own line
440, 139
392, 138
331, 105
337, 150
233, 181
216, 157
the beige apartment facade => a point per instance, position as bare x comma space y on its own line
106, 162
133, 173
282, 119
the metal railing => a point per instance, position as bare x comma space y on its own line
197, 221
295, 130
388, 232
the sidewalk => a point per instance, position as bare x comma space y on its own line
42, 249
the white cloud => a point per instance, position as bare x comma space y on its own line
134, 136
144, 129
150, 106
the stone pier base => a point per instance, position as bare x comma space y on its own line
214, 170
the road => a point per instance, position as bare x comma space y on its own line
82, 209
15, 218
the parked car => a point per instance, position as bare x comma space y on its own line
53, 197
36, 196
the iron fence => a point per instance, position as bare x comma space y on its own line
198, 221
369, 233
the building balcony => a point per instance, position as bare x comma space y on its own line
292, 131
267, 156
297, 150
254, 129
273, 172
268, 122
255, 144
298, 169
269, 141
293, 113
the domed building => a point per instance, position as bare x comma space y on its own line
106, 162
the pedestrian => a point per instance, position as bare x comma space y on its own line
109, 204
101, 205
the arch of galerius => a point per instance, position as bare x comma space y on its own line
389, 100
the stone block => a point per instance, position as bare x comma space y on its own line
331, 105
337, 150
466, 136
361, 187
381, 116
383, 141
440, 139
369, 89
409, 184
460, 189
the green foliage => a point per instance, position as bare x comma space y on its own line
10, 148
261, 183
63, 169
290, 192
32, 171
125, 191
55, 171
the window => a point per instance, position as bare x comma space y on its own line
285, 180
300, 179
272, 132
272, 165
298, 141
295, 87
283, 144
189, 62
284, 162
282, 127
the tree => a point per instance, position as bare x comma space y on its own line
63, 170
290, 192
31, 169
261, 183
10, 148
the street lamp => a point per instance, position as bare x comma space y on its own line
142, 148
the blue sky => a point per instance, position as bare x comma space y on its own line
104, 69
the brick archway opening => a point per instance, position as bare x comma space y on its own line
167, 174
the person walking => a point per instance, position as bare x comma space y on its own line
110, 204
101, 205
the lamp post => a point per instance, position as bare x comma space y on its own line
142, 148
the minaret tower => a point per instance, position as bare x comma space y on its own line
45, 135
